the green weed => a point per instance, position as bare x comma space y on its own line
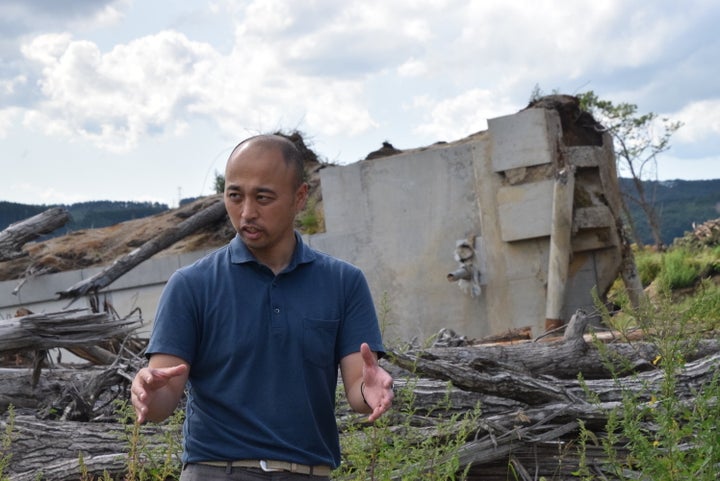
6, 443
157, 461
660, 432
649, 265
419, 447
311, 220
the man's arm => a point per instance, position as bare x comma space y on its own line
368, 387
158, 388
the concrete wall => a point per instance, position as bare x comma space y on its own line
400, 218
139, 288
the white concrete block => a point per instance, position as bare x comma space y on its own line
528, 303
524, 139
585, 156
526, 258
37, 289
589, 240
343, 197
592, 217
525, 210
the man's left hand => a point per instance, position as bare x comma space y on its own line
377, 384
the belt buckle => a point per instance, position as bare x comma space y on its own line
264, 467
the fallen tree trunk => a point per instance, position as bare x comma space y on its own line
77, 330
524, 413
513, 431
209, 215
562, 358
18, 234
74, 327
16, 388
60, 451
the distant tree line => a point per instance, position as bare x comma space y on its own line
83, 215
679, 204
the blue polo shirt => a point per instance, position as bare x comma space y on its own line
264, 351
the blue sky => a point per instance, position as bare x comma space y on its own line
143, 100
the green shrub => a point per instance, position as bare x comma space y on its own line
649, 265
391, 450
6, 443
661, 432
145, 462
679, 269
709, 261
311, 220
703, 307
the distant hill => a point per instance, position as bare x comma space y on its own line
680, 203
83, 215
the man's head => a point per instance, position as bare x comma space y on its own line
290, 153
264, 190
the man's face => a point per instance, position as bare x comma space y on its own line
261, 198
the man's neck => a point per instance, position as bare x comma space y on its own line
279, 258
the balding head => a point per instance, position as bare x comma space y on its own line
290, 153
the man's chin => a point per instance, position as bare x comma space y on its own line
251, 237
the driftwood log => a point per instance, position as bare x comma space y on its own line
20, 233
70, 328
531, 405
209, 215
77, 330
53, 450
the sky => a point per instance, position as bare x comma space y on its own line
135, 100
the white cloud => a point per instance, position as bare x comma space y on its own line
9, 87
114, 99
27, 16
701, 120
279, 74
8, 118
670, 167
459, 116
345, 73
148, 86
412, 68
418, 29
541, 41
266, 17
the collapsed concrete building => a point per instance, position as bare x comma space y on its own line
524, 216
513, 227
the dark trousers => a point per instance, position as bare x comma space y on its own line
201, 472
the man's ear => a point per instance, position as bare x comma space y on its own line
301, 196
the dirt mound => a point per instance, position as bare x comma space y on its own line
706, 234
102, 246
95, 247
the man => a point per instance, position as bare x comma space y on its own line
257, 330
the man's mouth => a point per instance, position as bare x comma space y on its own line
251, 232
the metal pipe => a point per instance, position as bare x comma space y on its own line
463, 273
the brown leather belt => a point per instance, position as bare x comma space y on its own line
268, 465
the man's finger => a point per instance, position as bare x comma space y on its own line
367, 354
164, 374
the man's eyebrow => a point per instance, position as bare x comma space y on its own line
257, 190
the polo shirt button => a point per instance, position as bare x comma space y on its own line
277, 310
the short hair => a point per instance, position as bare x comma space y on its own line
291, 154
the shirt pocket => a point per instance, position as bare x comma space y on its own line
319, 341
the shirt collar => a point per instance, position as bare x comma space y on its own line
239, 253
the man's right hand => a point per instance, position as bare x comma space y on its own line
156, 391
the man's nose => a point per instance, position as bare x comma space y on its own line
249, 210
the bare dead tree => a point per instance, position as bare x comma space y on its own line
209, 215
20, 233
